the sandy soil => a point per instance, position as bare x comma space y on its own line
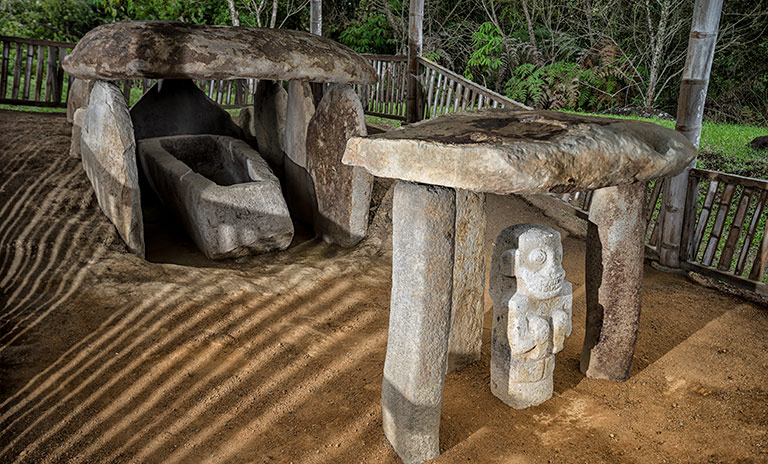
108, 358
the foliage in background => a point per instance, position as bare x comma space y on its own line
577, 54
369, 35
562, 85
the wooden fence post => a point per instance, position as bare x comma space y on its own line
690, 110
415, 30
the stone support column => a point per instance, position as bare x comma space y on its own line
614, 270
419, 322
468, 281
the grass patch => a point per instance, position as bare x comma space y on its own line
723, 147
377, 120
33, 109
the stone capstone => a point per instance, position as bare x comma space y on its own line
343, 192
508, 151
226, 196
109, 157
79, 93
179, 107
531, 313
176, 50
264, 121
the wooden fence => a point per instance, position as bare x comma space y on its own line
448, 92
724, 233
386, 98
31, 73
232, 93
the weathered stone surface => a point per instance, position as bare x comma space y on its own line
419, 321
299, 187
179, 107
225, 194
79, 93
77, 128
614, 270
299, 112
468, 281
343, 192
531, 313
109, 158
519, 151
265, 121
759, 143
175, 50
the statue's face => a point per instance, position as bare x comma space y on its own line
539, 264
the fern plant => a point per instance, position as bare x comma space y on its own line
562, 85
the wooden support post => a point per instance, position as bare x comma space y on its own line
316, 27
415, 30
316, 17
690, 110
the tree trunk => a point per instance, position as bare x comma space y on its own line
273, 19
415, 32
531, 35
658, 36
233, 13
690, 111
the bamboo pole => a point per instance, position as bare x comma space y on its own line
415, 30
690, 110
316, 17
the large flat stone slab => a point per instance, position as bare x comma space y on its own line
109, 157
507, 151
169, 49
179, 107
343, 192
225, 194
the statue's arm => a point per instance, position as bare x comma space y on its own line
524, 333
562, 317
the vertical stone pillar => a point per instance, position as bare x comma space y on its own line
298, 185
614, 271
419, 321
468, 281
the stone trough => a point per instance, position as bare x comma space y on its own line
225, 194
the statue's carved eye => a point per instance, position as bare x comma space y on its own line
538, 257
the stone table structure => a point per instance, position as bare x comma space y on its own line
504, 152
175, 53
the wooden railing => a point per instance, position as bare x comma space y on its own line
386, 98
448, 92
724, 234
231, 93
724, 229
443, 91
31, 73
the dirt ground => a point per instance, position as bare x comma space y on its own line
107, 358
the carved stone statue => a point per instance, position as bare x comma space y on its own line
532, 313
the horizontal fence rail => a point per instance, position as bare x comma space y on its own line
31, 72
